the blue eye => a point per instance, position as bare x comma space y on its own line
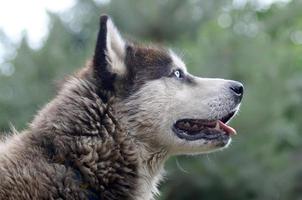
178, 73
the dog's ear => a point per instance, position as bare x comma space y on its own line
109, 55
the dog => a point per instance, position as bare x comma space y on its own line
113, 124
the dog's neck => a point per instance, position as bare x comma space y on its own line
151, 171
151, 156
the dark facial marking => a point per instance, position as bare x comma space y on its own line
145, 64
149, 63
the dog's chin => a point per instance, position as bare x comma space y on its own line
215, 133
200, 146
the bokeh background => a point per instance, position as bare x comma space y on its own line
256, 42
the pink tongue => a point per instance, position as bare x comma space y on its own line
227, 128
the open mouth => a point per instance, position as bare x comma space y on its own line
195, 129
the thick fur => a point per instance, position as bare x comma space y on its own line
74, 150
108, 132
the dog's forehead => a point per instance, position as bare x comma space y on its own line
151, 56
156, 58
148, 63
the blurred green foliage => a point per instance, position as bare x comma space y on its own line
262, 47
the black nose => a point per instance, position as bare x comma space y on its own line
237, 89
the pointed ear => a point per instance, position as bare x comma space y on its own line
110, 51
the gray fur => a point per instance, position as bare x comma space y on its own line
73, 149
107, 133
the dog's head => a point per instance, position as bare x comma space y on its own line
158, 101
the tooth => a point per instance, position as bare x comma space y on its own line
217, 126
195, 127
187, 124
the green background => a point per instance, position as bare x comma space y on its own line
259, 46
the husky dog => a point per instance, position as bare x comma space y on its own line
113, 124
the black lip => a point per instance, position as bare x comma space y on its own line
206, 134
227, 118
